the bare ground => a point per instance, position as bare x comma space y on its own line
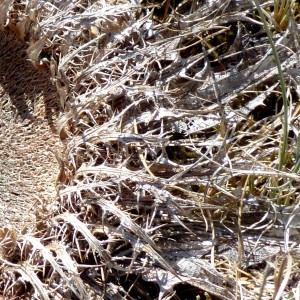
29, 109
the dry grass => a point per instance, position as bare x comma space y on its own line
171, 121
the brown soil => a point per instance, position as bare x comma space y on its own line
29, 109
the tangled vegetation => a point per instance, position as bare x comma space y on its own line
175, 128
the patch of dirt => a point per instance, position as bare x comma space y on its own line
29, 107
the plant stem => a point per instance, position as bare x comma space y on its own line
283, 147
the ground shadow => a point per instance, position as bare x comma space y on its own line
24, 84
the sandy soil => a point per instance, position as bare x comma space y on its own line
29, 107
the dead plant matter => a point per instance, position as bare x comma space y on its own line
168, 185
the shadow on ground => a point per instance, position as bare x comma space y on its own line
24, 83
